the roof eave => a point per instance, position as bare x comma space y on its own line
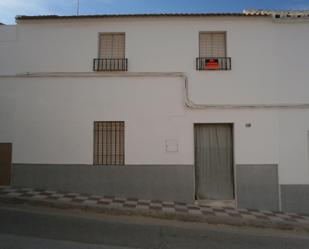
56, 17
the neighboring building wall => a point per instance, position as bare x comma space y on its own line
50, 120
8, 49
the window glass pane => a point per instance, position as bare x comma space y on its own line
106, 43
118, 46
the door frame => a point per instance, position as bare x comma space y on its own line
233, 153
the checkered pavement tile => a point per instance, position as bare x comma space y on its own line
150, 205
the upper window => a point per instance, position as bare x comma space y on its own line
112, 46
212, 44
212, 52
111, 53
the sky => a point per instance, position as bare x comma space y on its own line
10, 8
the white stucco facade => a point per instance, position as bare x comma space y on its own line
50, 119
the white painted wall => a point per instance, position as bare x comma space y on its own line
53, 120
50, 120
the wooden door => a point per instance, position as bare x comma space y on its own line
214, 161
5, 163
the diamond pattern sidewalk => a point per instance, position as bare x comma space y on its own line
161, 207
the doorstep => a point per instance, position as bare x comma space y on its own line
217, 203
197, 212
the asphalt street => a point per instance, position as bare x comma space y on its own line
8, 241
25, 227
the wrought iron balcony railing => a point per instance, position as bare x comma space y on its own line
113, 64
213, 63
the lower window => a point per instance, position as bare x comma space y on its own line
108, 143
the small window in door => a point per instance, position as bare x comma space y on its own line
108, 143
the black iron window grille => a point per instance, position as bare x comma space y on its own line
213, 63
118, 64
108, 143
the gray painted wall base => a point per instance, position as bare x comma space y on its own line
295, 198
156, 182
257, 187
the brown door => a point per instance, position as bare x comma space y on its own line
5, 163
